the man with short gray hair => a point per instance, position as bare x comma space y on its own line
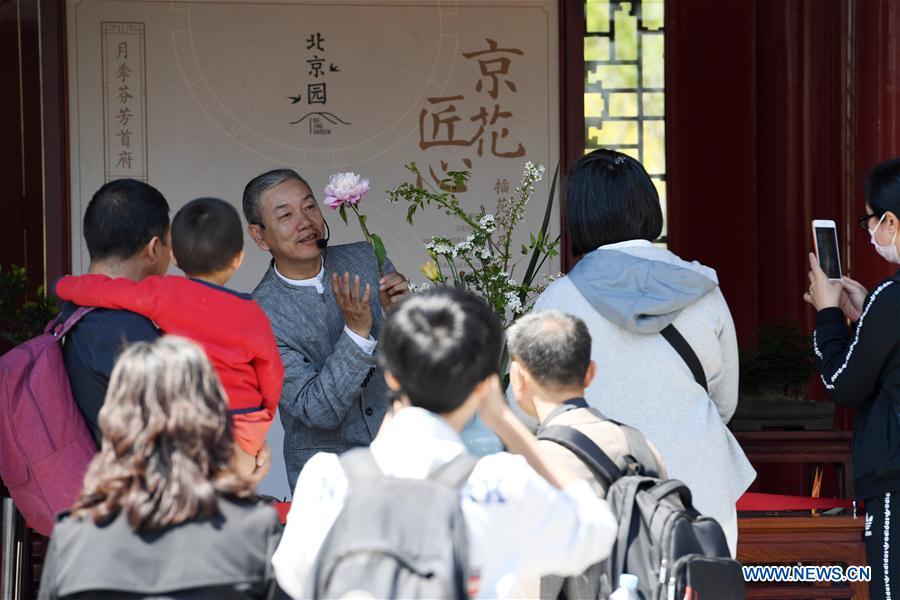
550, 368
554, 346
334, 396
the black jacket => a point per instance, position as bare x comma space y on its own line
861, 369
227, 557
91, 350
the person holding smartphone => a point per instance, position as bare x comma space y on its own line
860, 367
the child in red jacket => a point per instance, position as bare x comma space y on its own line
207, 244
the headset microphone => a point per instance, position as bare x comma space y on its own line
323, 243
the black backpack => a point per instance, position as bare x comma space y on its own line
396, 538
675, 552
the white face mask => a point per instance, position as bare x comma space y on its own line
888, 252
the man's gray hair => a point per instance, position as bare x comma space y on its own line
260, 184
555, 347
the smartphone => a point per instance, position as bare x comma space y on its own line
825, 238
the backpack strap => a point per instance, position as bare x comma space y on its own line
60, 328
585, 449
640, 454
359, 465
640, 450
456, 472
674, 337
565, 407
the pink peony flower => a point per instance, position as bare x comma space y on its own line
345, 189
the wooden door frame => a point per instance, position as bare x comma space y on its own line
34, 161
571, 103
57, 179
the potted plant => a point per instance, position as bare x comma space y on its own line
23, 315
775, 372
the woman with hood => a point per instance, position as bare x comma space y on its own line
627, 291
860, 367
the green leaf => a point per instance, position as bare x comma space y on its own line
380, 252
459, 179
409, 214
343, 212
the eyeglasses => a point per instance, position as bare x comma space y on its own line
864, 220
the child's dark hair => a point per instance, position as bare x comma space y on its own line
206, 236
440, 344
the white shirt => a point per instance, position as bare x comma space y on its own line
367, 345
518, 524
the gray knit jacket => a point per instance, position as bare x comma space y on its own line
334, 396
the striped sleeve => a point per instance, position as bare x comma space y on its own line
850, 361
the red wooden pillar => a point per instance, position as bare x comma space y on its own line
800, 97
711, 144
33, 138
12, 226
875, 114
874, 132
755, 135
571, 102
55, 139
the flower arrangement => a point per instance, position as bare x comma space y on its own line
348, 190
483, 262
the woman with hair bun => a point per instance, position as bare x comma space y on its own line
162, 512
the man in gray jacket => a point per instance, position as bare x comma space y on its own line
326, 306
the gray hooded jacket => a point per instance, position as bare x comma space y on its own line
626, 293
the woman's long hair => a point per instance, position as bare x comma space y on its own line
167, 444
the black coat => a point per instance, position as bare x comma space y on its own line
861, 369
223, 558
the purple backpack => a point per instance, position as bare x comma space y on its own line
45, 444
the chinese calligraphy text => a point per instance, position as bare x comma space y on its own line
479, 123
124, 100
